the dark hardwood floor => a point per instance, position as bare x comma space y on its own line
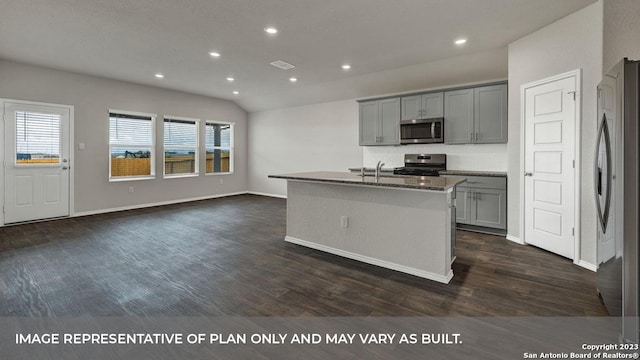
227, 257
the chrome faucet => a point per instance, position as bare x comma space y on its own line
378, 169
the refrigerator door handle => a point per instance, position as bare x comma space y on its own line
599, 181
603, 211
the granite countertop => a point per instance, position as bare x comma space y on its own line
433, 183
473, 173
370, 169
443, 172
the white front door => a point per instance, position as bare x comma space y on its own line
549, 175
36, 161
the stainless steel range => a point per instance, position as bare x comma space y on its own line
422, 165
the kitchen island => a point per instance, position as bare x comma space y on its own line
404, 223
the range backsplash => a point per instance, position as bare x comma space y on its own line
487, 157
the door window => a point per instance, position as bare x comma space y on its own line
37, 138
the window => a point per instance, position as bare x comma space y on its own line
180, 146
219, 146
131, 146
37, 138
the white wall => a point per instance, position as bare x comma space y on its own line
92, 97
325, 136
621, 31
306, 138
570, 43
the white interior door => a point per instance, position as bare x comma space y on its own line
549, 175
36, 161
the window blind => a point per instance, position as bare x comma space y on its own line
180, 133
130, 129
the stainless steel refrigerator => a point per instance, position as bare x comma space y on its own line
616, 193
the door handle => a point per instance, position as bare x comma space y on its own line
64, 168
528, 173
599, 185
603, 212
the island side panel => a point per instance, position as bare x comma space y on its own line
406, 230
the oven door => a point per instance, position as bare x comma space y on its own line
421, 131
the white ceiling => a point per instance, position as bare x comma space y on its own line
132, 40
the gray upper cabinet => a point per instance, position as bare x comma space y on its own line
490, 114
476, 115
369, 123
458, 116
380, 122
424, 106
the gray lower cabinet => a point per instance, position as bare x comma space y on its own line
482, 201
380, 122
476, 115
425, 106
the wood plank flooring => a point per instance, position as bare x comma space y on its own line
227, 257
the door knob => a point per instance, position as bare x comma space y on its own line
528, 174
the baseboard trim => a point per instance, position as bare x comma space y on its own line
515, 239
587, 265
372, 261
267, 194
160, 203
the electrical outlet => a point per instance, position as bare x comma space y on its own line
130, 189
221, 181
344, 222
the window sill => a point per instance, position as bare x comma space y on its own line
219, 173
179, 176
133, 178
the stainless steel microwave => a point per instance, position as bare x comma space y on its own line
422, 131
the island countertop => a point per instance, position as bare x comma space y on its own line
433, 183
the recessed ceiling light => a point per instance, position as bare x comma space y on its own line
230, 79
215, 54
346, 67
236, 92
293, 79
460, 41
271, 30
159, 76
